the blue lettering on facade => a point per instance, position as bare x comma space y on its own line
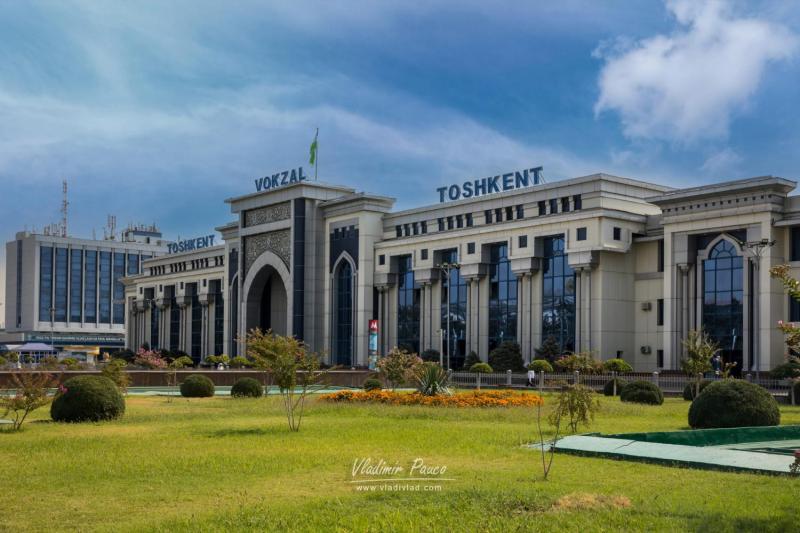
286, 177
191, 244
478, 187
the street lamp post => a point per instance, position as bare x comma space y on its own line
446, 269
756, 249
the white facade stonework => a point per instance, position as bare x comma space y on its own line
614, 266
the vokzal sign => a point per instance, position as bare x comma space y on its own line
280, 179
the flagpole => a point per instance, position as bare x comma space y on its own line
316, 155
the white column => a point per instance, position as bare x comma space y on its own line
578, 310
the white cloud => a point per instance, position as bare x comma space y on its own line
687, 86
721, 162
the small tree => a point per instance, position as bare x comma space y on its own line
700, 348
471, 359
577, 404
790, 369
115, 371
549, 349
583, 362
617, 365
507, 356
398, 367
32, 392
296, 371
150, 359
172, 372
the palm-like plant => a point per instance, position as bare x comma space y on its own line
432, 380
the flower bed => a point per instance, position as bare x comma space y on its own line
494, 398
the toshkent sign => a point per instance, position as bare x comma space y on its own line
190, 244
491, 185
280, 179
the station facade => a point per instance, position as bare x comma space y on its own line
599, 263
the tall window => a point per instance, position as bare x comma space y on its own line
502, 297
155, 318
722, 300
119, 288
407, 306
61, 285
344, 314
174, 321
105, 288
133, 264
75, 284
90, 287
45, 282
456, 292
558, 295
197, 323
219, 317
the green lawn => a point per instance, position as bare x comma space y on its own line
223, 464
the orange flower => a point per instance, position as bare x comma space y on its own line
483, 398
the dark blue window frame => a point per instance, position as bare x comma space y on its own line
75, 285
61, 280
344, 314
723, 300
456, 344
502, 297
104, 290
558, 295
407, 306
45, 282
90, 287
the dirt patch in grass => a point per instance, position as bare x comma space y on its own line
581, 501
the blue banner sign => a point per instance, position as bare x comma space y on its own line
280, 179
491, 185
190, 244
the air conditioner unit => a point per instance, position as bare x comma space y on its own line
645, 349
646, 306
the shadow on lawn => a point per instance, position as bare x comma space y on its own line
243, 432
785, 522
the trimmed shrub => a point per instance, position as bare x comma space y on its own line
481, 368
641, 392
471, 359
240, 362
197, 386
688, 390
582, 362
732, 403
431, 356
787, 370
247, 388
372, 384
540, 365
87, 399
608, 388
507, 356
617, 365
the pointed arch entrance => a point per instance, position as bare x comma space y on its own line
266, 303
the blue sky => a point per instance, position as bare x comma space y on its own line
157, 111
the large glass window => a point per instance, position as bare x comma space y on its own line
119, 288
75, 284
155, 318
197, 323
60, 300
219, 316
105, 288
45, 282
133, 264
344, 314
722, 300
90, 287
502, 297
558, 295
407, 306
454, 290
174, 320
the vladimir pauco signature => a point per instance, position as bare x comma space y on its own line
366, 470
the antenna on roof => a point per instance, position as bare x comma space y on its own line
64, 204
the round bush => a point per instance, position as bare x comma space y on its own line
733, 403
507, 356
540, 365
197, 386
608, 388
87, 399
688, 390
481, 368
641, 392
246, 388
617, 365
372, 384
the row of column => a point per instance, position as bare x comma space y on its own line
140, 330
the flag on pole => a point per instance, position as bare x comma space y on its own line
312, 160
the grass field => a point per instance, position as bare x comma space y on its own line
223, 464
